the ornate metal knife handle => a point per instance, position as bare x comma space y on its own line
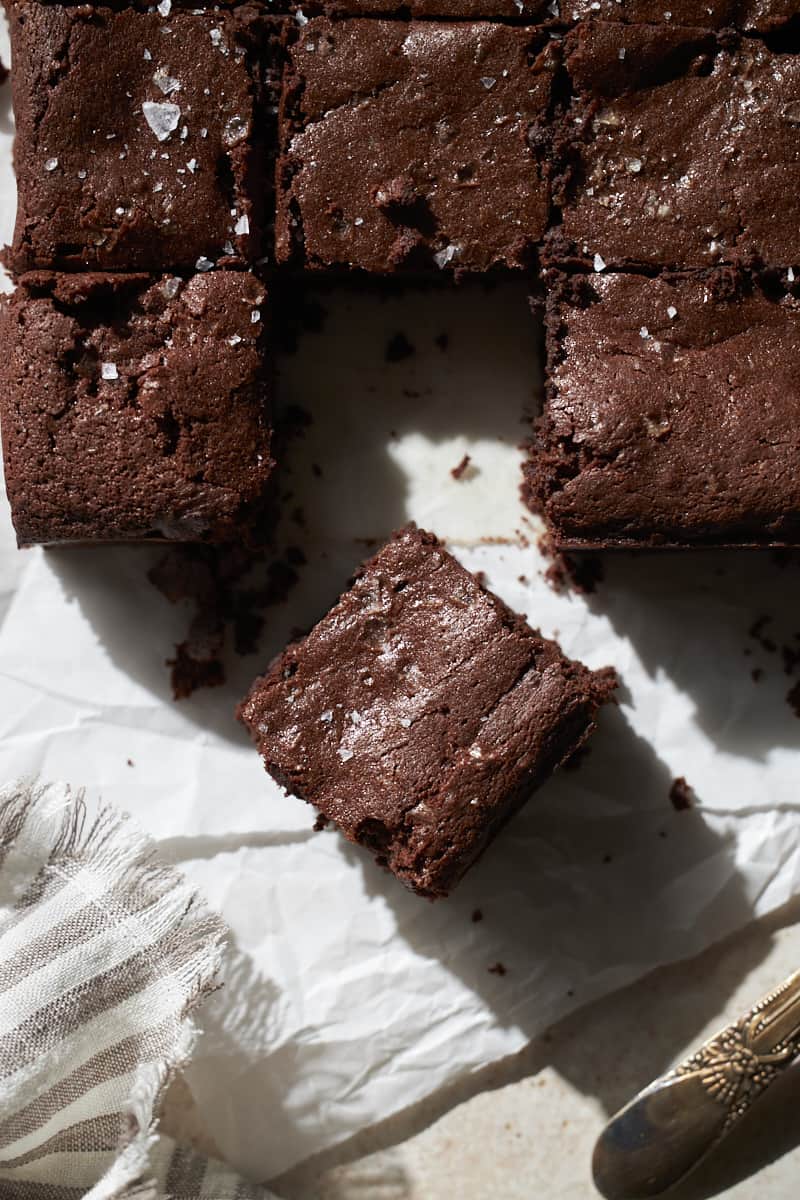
666, 1130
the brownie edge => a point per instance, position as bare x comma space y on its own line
420, 713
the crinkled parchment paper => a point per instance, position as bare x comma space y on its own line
348, 999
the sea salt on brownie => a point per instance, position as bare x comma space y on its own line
420, 713
134, 407
139, 136
673, 411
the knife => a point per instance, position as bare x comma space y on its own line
665, 1131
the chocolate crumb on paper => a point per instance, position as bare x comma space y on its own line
398, 347
756, 632
681, 795
477, 915
498, 968
461, 469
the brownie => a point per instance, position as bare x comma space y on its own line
134, 407
416, 144
763, 16
420, 713
140, 140
673, 411
454, 10
679, 151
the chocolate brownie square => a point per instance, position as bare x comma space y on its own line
140, 141
134, 407
763, 16
453, 10
420, 713
414, 144
673, 412
679, 152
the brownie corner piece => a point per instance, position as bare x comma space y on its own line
134, 407
141, 138
639, 190
414, 145
671, 416
420, 713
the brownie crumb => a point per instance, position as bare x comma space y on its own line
681, 794
757, 674
522, 579
581, 573
477, 915
793, 699
756, 632
129, 761
498, 969
442, 341
229, 588
458, 472
321, 823
480, 578
791, 658
397, 348
3, 73
188, 673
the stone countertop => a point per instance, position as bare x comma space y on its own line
526, 1127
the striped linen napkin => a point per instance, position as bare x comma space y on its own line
104, 952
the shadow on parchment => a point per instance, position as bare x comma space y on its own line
736, 611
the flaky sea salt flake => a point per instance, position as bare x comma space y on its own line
672, 312
162, 118
170, 287
164, 7
108, 370
488, 82
242, 226
203, 263
51, 164
445, 256
255, 316
599, 263
165, 82
644, 332
192, 165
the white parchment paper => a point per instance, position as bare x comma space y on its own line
348, 999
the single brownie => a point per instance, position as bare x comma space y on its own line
763, 16
673, 413
678, 153
133, 407
140, 136
420, 713
414, 144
